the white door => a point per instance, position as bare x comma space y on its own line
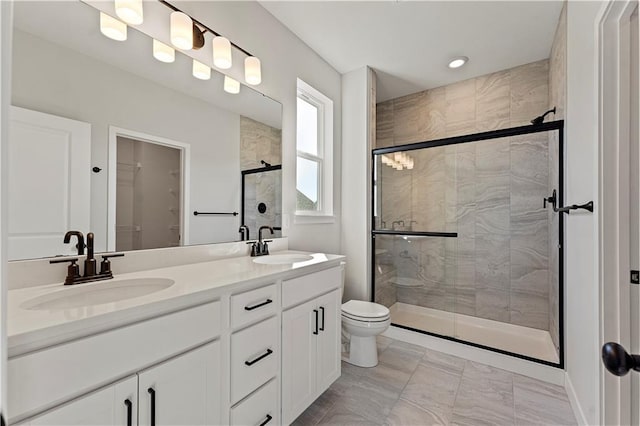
329, 355
113, 405
49, 182
182, 391
299, 342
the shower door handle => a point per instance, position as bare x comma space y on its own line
617, 361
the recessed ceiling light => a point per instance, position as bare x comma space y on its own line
458, 62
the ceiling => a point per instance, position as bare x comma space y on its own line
409, 43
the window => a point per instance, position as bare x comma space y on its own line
314, 161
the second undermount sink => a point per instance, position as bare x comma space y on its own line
282, 259
97, 293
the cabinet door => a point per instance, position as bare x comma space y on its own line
184, 390
329, 355
298, 360
106, 406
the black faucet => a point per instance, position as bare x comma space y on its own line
244, 232
260, 247
90, 261
90, 272
80, 245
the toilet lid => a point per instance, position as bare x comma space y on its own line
362, 309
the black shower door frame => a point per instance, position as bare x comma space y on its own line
243, 174
558, 126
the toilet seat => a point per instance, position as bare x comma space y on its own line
359, 310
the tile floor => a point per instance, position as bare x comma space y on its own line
412, 385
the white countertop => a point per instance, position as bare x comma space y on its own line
198, 283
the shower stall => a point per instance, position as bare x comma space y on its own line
466, 244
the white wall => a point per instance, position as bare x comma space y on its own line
284, 58
358, 95
582, 327
76, 86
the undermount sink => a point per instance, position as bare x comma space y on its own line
97, 293
282, 259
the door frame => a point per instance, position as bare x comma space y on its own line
6, 31
185, 174
613, 199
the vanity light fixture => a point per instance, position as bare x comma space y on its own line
458, 61
162, 52
221, 46
130, 11
231, 86
399, 161
252, 71
112, 28
221, 52
181, 31
201, 71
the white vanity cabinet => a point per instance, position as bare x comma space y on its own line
311, 334
71, 371
113, 405
255, 353
183, 390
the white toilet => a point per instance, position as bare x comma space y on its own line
361, 323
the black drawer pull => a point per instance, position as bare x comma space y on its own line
315, 311
129, 412
251, 308
267, 420
322, 326
152, 420
264, 355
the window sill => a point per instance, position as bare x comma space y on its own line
304, 218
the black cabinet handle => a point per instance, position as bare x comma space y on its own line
129, 412
264, 355
251, 308
315, 311
152, 392
322, 326
267, 420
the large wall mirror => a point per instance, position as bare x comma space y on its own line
107, 139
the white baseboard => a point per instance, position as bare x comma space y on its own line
575, 404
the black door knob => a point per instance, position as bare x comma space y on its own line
617, 360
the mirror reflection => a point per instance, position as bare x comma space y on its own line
91, 124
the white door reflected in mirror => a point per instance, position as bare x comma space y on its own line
49, 182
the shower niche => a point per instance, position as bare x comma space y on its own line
463, 245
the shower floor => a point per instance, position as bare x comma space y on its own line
517, 339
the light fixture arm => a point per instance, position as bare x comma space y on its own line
199, 29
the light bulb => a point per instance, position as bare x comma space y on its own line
458, 62
181, 31
112, 28
252, 70
221, 52
162, 52
130, 11
231, 86
201, 71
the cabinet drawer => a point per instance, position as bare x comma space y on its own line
254, 357
253, 305
45, 378
306, 287
261, 408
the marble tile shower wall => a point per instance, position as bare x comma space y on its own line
490, 192
261, 142
557, 89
